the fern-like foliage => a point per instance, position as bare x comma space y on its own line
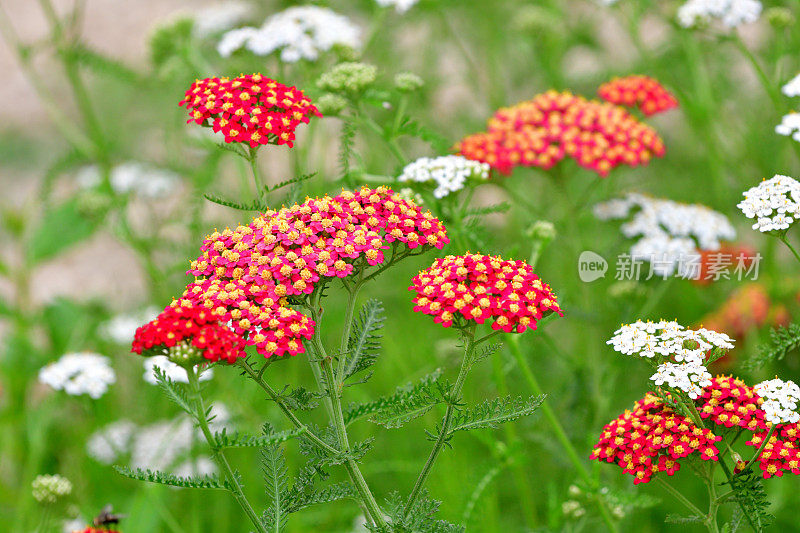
492, 413
749, 492
174, 392
273, 465
781, 341
237, 440
405, 404
502, 207
260, 205
421, 517
300, 398
365, 341
165, 478
347, 141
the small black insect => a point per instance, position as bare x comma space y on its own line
107, 518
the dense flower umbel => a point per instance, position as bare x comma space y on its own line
729, 402
643, 92
188, 335
554, 125
249, 109
478, 287
246, 275
774, 203
653, 438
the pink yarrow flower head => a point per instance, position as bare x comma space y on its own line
652, 438
250, 275
643, 92
475, 287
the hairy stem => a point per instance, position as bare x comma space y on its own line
218, 454
678, 496
444, 430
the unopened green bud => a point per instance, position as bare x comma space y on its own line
408, 82
542, 230
185, 355
348, 77
780, 17
50, 488
330, 104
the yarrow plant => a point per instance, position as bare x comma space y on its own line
775, 204
541, 132
671, 235
643, 92
692, 417
80, 373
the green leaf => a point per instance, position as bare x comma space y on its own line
421, 517
502, 207
58, 229
437, 141
165, 478
300, 398
174, 392
365, 342
405, 404
347, 141
236, 440
105, 65
679, 519
492, 413
255, 205
273, 465
781, 341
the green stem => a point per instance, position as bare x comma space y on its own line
713, 504
275, 397
555, 424
678, 496
444, 430
348, 324
656, 298
786, 242
217, 453
760, 449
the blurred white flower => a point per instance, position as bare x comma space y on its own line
72, 525
780, 400
199, 466
789, 126
298, 32
79, 373
774, 203
132, 177
792, 88
731, 13
401, 6
219, 17
121, 328
691, 377
158, 446
671, 233
450, 173
50, 488
174, 372
111, 442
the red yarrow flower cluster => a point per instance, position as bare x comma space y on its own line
781, 453
247, 275
197, 327
652, 438
541, 132
480, 287
730, 402
90, 529
249, 109
643, 92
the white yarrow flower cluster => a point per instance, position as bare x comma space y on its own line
298, 33
774, 203
121, 328
691, 378
401, 6
671, 233
449, 172
789, 126
173, 371
132, 177
792, 88
79, 373
780, 400
667, 339
158, 446
50, 488
732, 13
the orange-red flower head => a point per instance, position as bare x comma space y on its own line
480, 287
643, 92
249, 109
554, 125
